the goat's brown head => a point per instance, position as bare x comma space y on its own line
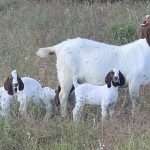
13, 82
114, 77
145, 29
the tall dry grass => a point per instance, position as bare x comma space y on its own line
25, 26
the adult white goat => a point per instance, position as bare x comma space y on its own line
90, 61
105, 95
29, 90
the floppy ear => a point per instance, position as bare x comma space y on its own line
145, 29
143, 33
148, 33
122, 79
108, 80
8, 86
21, 84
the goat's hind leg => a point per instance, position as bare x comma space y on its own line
64, 94
105, 113
77, 111
49, 113
111, 110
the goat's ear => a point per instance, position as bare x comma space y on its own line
143, 32
148, 33
21, 84
122, 79
59, 89
145, 29
8, 86
108, 80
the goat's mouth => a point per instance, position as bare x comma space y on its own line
15, 89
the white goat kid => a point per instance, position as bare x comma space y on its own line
105, 95
28, 90
90, 61
6, 102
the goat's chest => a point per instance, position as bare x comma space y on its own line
109, 97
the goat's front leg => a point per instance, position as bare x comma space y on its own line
23, 110
104, 113
112, 110
134, 93
5, 108
127, 98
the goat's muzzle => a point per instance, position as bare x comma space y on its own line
116, 79
15, 87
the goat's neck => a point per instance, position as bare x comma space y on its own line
114, 88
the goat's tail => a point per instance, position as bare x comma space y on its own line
75, 81
44, 52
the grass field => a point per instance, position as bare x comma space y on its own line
26, 25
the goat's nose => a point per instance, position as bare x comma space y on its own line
15, 85
15, 90
116, 78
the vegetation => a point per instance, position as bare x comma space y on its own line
121, 32
26, 25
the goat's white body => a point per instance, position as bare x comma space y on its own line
47, 95
6, 101
90, 61
94, 95
34, 93
30, 92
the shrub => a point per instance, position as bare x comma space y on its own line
121, 32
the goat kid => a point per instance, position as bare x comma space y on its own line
29, 90
105, 95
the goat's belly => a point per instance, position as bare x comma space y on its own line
145, 79
94, 100
35, 100
109, 100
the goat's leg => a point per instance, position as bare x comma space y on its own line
23, 110
5, 111
111, 111
104, 113
64, 93
77, 111
49, 112
127, 98
134, 93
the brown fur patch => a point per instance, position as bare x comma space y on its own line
8, 85
145, 29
